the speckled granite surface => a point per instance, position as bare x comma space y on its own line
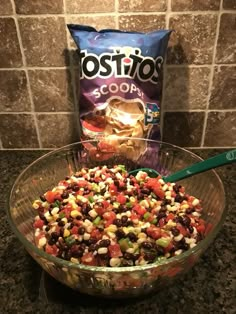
210, 287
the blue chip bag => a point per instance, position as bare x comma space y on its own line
120, 81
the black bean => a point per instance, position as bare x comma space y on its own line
127, 262
61, 223
104, 243
92, 248
179, 198
117, 222
55, 235
52, 241
85, 210
147, 245
68, 255
47, 228
160, 250
189, 211
145, 191
122, 208
58, 219
128, 256
161, 215
71, 225
124, 219
70, 219
129, 223
175, 231
65, 195
190, 228
81, 230
91, 241
176, 188
116, 182
140, 196
42, 197
78, 217
149, 256
166, 202
179, 219
186, 220
75, 188
105, 256
163, 209
120, 234
132, 236
67, 178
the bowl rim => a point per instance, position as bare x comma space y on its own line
200, 247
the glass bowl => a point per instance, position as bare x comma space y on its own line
117, 282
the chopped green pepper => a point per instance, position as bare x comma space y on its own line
62, 215
154, 221
125, 244
56, 203
129, 205
97, 220
91, 199
146, 215
164, 242
70, 240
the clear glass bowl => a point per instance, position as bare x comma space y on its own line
46, 171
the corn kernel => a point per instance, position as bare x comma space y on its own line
74, 213
102, 250
115, 262
66, 233
111, 228
195, 202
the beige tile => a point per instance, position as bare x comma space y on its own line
142, 6
13, 91
221, 130
90, 6
6, 7
10, 54
38, 6
44, 41
193, 39
51, 90
57, 130
226, 45
186, 88
191, 5
142, 23
18, 131
223, 95
183, 128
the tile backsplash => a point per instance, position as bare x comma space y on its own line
38, 68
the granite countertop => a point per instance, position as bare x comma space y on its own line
208, 288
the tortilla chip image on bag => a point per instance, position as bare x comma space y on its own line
120, 81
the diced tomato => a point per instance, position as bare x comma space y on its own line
134, 216
114, 250
182, 230
162, 222
96, 234
100, 209
171, 216
89, 259
105, 204
169, 247
67, 210
50, 196
63, 183
39, 223
139, 209
51, 249
152, 182
74, 230
82, 183
109, 218
159, 192
154, 232
113, 189
121, 199
200, 228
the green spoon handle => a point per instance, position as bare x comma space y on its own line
213, 162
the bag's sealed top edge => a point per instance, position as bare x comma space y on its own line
87, 28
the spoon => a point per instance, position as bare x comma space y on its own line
210, 163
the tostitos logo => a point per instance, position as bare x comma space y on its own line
122, 62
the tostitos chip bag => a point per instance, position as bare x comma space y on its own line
120, 81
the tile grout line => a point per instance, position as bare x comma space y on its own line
167, 15
211, 75
101, 14
26, 73
117, 14
71, 112
184, 65
71, 67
